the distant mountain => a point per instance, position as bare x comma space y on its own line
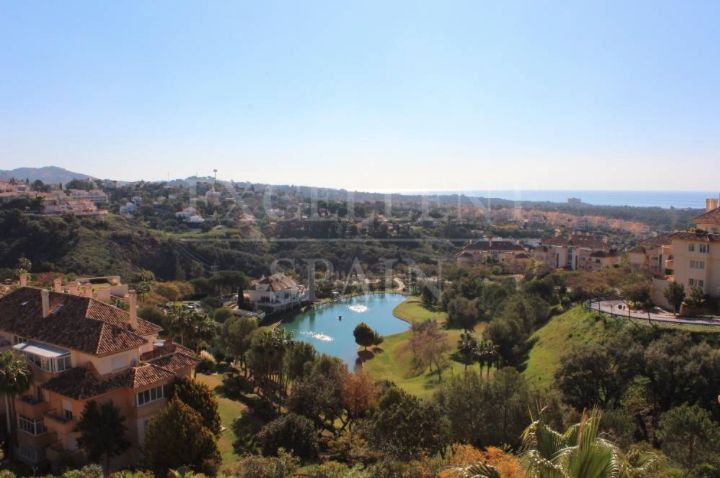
47, 174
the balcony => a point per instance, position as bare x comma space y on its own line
58, 423
31, 407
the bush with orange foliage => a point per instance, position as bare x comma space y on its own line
462, 455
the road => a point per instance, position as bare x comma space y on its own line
619, 308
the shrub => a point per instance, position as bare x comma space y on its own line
291, 432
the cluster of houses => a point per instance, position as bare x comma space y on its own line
690, 258
82, 348
76, 202
577, 251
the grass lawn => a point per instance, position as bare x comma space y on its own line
229, 410
394, 363
412, 311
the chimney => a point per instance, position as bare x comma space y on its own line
45, 298
23, 279
57, 285
132, 309
711, 204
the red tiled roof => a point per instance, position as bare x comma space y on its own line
81, 383
175, 362
696, 236
144, 376
657, 241
277, 282
710, 217
74, 322
576, 241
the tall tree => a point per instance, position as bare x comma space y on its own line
200, 398
586, 377
428, 344
689, 435
467, 345
463, 313
675, 295
238, 331
292, 432
102, 432
405, 427
177, 437
15, 379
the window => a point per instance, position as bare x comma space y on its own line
58, 364
697, 264
701, 283
18, 340
30, 454
33, 427
63, 363
691, 282
151, 395
68, 414
691, 247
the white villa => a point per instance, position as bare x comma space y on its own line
276, 293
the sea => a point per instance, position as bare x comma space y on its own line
663, 199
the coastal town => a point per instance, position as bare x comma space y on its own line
365, 239
126, 338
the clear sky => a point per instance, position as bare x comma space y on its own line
369, 95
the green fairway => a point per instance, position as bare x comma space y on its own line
229, 410
412, 311
393, 362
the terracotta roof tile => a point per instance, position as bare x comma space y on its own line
277, 282
80, 383
710, 217
696, 236
74, 322
175, 362
576, 241
145, 375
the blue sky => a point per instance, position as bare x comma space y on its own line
367, 95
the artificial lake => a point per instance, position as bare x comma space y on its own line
322, 328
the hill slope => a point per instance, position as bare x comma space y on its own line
562, 334
46, 174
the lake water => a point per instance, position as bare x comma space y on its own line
331, 336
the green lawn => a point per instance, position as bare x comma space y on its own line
229, 410
394, 362
412, 311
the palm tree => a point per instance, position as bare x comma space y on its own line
477, 470
579, 452
466, 347
15, 379
487, 354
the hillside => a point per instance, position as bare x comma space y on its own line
563, 333
46, 174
